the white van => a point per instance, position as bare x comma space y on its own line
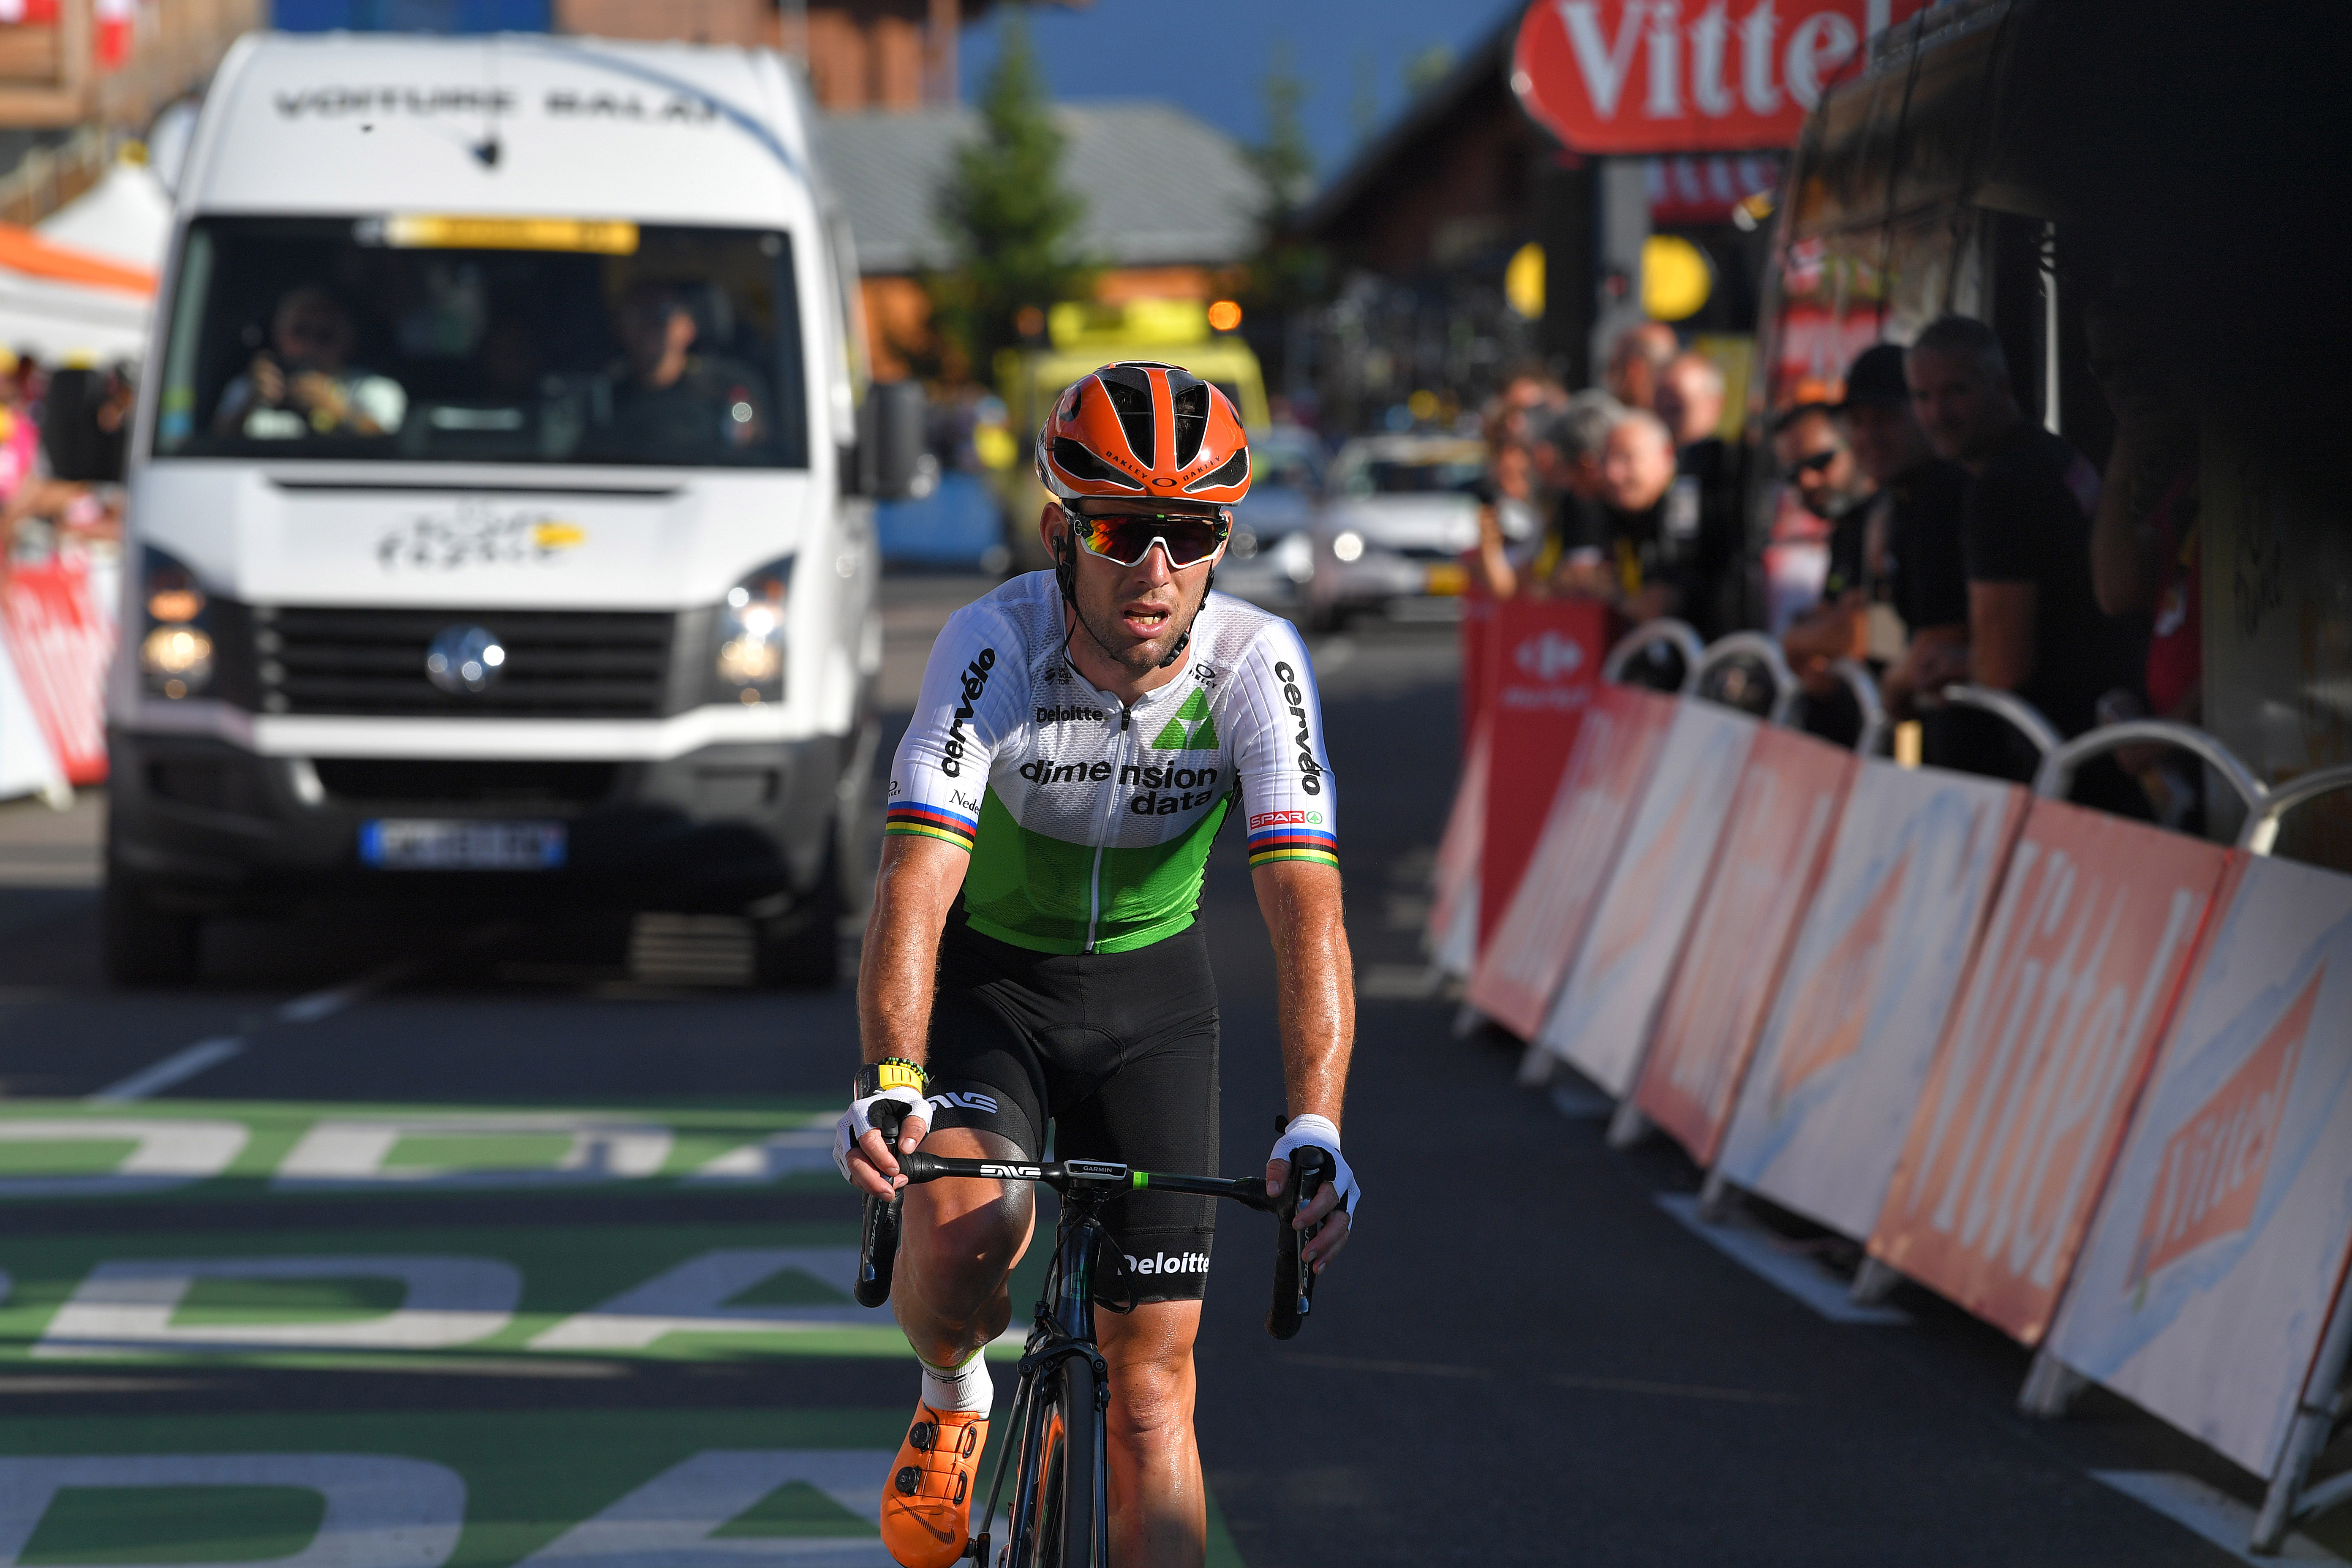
493, 538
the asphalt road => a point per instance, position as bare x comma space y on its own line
490, 1245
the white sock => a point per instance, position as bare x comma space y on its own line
965, 1387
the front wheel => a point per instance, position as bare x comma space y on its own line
1069, 1461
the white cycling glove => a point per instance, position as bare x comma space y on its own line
1318, 1130
858, 1120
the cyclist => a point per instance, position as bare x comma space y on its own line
1081, 735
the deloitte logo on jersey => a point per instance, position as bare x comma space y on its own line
1068, 713
1192, 730
1170, 1263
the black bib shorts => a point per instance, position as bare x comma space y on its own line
1118, 1050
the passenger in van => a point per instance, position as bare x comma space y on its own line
303, 383
671, 405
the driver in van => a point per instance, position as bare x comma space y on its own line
670, 403
303, 381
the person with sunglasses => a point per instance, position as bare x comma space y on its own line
303, 385
1033, 956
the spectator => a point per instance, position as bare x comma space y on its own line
2034, 627
1625, 560
1702, 530
1511, 535
303, 383
1639, 357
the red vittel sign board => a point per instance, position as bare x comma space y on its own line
1765, 871
1522, 965
1687, 76
2009, 1151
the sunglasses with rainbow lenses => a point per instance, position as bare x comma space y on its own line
1126, 537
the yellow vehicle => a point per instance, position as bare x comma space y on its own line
1084, 337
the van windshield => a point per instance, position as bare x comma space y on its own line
484, 340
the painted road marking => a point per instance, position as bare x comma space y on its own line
2213, 1514
692, 1298
129, 1305
339, 1154
1756, 1251
164, 1153
380, 1510
176, 1068
674, 1520
797, 1150
324, 1003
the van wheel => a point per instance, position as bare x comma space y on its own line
143, 942
799, 950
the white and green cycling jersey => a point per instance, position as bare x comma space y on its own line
1088, 822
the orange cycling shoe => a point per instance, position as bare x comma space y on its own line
927, 1501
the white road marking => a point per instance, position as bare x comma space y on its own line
176, 1068
672, 1520
319, 1004
1399, 983
126, 1305
1802, 1277
2213, 1514
340, 1153
166, 1153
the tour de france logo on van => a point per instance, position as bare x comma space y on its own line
476, 534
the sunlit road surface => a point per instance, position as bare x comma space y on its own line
482, 1244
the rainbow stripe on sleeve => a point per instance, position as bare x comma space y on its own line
1292, 842
931, 821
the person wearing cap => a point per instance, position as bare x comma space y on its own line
1898, 590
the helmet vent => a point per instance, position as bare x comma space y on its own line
1074, 460
1129, 391
1191, 401
1233, 470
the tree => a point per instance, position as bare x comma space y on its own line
1287, 275
1010, 223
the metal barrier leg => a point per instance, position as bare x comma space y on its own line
1628, 1127
2051, 1386
1466, 1021
2313, 1422
1537, 1067
1873, 1282
1717, 1199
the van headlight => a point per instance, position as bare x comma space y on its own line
748, 665
175, 644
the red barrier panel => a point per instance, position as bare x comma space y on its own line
1872, 983
2095, 924
61, 642
1774, 845
1544, 659
1523, 962
1477, 632
2225, 1233
1607, 1004
1453, 932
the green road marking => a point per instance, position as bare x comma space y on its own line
793, 1510
496, 1489
100, 1525
369, 1297
79, 1158
215, 1150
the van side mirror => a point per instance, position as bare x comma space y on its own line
894, 457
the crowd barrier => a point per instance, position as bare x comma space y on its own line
59, 634
2087, 1079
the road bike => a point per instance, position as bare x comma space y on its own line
1059, 1515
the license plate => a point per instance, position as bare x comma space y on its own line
409, 844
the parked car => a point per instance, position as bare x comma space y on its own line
1401, 511
1271, 555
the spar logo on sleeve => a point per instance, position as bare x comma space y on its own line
1285, 819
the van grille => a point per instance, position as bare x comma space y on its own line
559, 663
411, 782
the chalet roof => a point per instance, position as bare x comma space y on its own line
1162, 188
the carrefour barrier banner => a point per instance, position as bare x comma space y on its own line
1543, 658
1602, 1021
1520, 968
1764, 876
61, 640
1454, 906
2208, 1278
2095, 924
1871, 983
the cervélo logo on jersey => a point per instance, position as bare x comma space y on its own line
1310, 771
975, 681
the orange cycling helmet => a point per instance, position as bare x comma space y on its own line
1139, 430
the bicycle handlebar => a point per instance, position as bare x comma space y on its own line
1294, 1278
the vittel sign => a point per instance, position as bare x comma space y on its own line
1687, 76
